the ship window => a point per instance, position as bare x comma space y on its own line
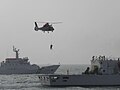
44, 78
40, 77
47, 78
65, 77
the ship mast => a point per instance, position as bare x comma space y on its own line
16, 51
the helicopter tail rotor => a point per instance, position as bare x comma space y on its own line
36, 27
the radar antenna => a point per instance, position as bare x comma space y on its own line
16, 51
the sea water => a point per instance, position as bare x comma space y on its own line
31, 81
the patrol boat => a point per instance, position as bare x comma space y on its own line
22, 66
102, 72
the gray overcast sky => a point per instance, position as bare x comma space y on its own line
90, 27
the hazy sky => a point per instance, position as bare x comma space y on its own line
90, 27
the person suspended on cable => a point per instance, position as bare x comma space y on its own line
51, 47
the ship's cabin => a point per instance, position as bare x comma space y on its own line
103, 65
14, 61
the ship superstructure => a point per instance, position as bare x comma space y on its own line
22, 66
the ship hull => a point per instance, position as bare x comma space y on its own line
80, 80
28, 70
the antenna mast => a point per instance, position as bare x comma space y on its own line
16, 51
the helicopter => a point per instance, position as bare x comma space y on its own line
46, 27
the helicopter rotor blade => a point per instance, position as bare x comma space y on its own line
50, 22
55, 22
